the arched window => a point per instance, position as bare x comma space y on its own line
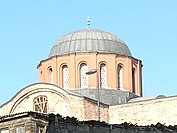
120, 76
133, 80
83, 75
65, 76
50, 73
41, 104
103, 77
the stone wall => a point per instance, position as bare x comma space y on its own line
147, 112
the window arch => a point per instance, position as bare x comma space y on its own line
83, 75
103, 77
65, 76
41, 104
133, 80
120, 76
50, 74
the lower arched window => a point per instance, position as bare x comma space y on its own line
103, 77
65, 74
41, 104
120, 76
83, 75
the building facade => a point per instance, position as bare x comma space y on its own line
69, 87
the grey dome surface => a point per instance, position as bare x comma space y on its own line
87, 41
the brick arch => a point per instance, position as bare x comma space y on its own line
61, 74
103, 74
82, 78
120, 75
50, 73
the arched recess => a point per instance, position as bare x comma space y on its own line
83, 76
65, 76
103, 75
133, 81
40, 75
26, 97
50, 74
120, 76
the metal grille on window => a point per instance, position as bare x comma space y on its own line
65, 77
103, 78
120, 76
84, 76
41, 104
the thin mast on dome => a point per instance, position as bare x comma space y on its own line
88, 22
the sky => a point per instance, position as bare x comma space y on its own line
29, 29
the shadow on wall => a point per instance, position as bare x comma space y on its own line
55, 123
58, 124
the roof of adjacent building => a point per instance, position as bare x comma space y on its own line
89, 40
139, 99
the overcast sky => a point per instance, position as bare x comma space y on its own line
29, 29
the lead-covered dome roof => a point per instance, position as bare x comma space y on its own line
87, 41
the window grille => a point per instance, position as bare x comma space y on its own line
65, 77
41, 104
103, 77
84, 76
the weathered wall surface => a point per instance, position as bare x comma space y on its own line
58, 101
146, 112
93, 60
91, 111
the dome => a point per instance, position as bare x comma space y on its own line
87, 41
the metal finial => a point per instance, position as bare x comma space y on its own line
88, 22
